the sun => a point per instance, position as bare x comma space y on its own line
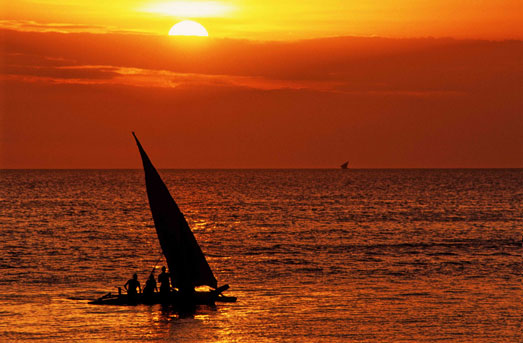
188, 28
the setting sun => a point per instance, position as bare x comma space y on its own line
188, 28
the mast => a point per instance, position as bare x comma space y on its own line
187, 264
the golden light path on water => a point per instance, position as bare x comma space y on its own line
312, 255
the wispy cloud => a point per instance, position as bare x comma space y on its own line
34, 26
63, 71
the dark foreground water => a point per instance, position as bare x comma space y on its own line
312, 255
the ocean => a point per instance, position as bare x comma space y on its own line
429, 255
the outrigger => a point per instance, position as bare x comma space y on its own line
185, 259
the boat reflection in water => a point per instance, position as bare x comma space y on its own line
187, 264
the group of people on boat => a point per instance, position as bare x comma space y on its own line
132, 286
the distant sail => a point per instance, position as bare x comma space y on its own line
185, 259
344, 165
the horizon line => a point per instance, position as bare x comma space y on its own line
276, 168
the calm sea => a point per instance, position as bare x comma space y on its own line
312, 255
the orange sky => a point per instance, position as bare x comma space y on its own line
297, 85
280, 20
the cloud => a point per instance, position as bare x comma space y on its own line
67, 73
34, 26
342, 64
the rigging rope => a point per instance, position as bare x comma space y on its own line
158, 261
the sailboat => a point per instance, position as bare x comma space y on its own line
185, 259
344, 165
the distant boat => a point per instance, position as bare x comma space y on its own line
344, 165
187, 264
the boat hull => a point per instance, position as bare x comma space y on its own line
198, 298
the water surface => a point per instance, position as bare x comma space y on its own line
312, 255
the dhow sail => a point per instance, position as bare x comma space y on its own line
187, 264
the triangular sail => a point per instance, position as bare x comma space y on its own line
187, 264
344, 165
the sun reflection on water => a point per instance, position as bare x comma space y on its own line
420, 256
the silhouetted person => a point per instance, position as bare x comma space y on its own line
130, 286
165, 284
150, 287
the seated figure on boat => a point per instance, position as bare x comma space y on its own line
131, 285
165, 284
150, 287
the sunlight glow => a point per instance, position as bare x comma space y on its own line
188, 28
190, 9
